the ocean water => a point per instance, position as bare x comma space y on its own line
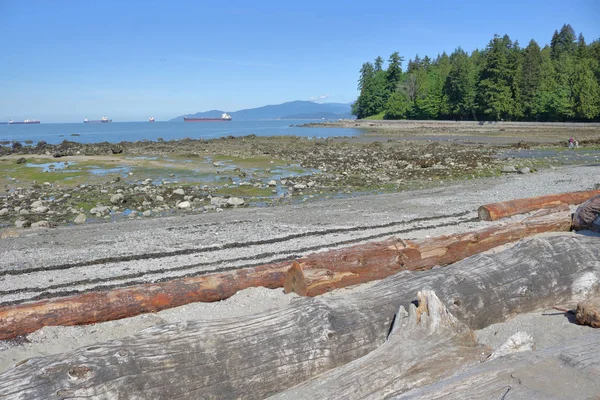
115, 132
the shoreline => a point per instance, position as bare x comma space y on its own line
71, 183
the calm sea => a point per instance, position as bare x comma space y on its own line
115, 132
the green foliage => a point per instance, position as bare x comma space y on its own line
560, 82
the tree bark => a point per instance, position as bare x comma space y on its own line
320, 273
134, 300
495, 211
260, 355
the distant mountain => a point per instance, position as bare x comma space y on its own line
290, 110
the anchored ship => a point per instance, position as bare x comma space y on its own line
26, 122
103, 120
224, 117
151, 119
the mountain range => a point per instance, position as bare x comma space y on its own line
291, 110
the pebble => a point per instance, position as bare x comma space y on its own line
524, 170
36, 204
3, 211
179, 192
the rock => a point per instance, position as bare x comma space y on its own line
272, 183
117, 198
41, 210
235, 201
100, 210
22, 160
3, 211
147, 213
184, 205
299, 186
507, 169
588, 313
41, 224
24, 211
218, 202
80, 219
518, 342
524, 170
218, 209
9, 233
36, 204
383, 178
22, 223
311, 184
160, 198
179, 192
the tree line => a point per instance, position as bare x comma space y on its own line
559, 82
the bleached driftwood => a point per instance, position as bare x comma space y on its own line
569, 370
426, 343
260, 355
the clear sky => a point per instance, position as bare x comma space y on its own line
62, 61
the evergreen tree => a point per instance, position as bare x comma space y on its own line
398, 106
378, 64
530, 79
495, 96
586, 92
394, 71
563, 42
459, 88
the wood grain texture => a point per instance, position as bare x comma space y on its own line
260, 355
426, 343
495, 211
323, 272
569, 370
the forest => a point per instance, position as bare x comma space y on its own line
503, 82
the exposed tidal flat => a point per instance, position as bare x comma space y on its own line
43, 185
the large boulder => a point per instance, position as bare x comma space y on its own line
587, 216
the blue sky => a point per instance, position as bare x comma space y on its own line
62, 61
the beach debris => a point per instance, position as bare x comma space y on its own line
495, 211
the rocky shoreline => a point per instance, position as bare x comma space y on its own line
146, 179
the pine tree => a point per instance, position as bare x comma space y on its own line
494, 91
586, 92
459, 88
394, 71
530, 79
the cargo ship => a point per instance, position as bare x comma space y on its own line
103, 120
26, 122
151, 119
224, 117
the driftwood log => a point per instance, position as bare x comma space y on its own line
134, 300
425, 344
495, 211
588, 313
569, 370
312, 276
587, 215
261, 355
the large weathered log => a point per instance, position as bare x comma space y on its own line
260, 355
426, 344
569, 370
494, 211
315, 275
134, 300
